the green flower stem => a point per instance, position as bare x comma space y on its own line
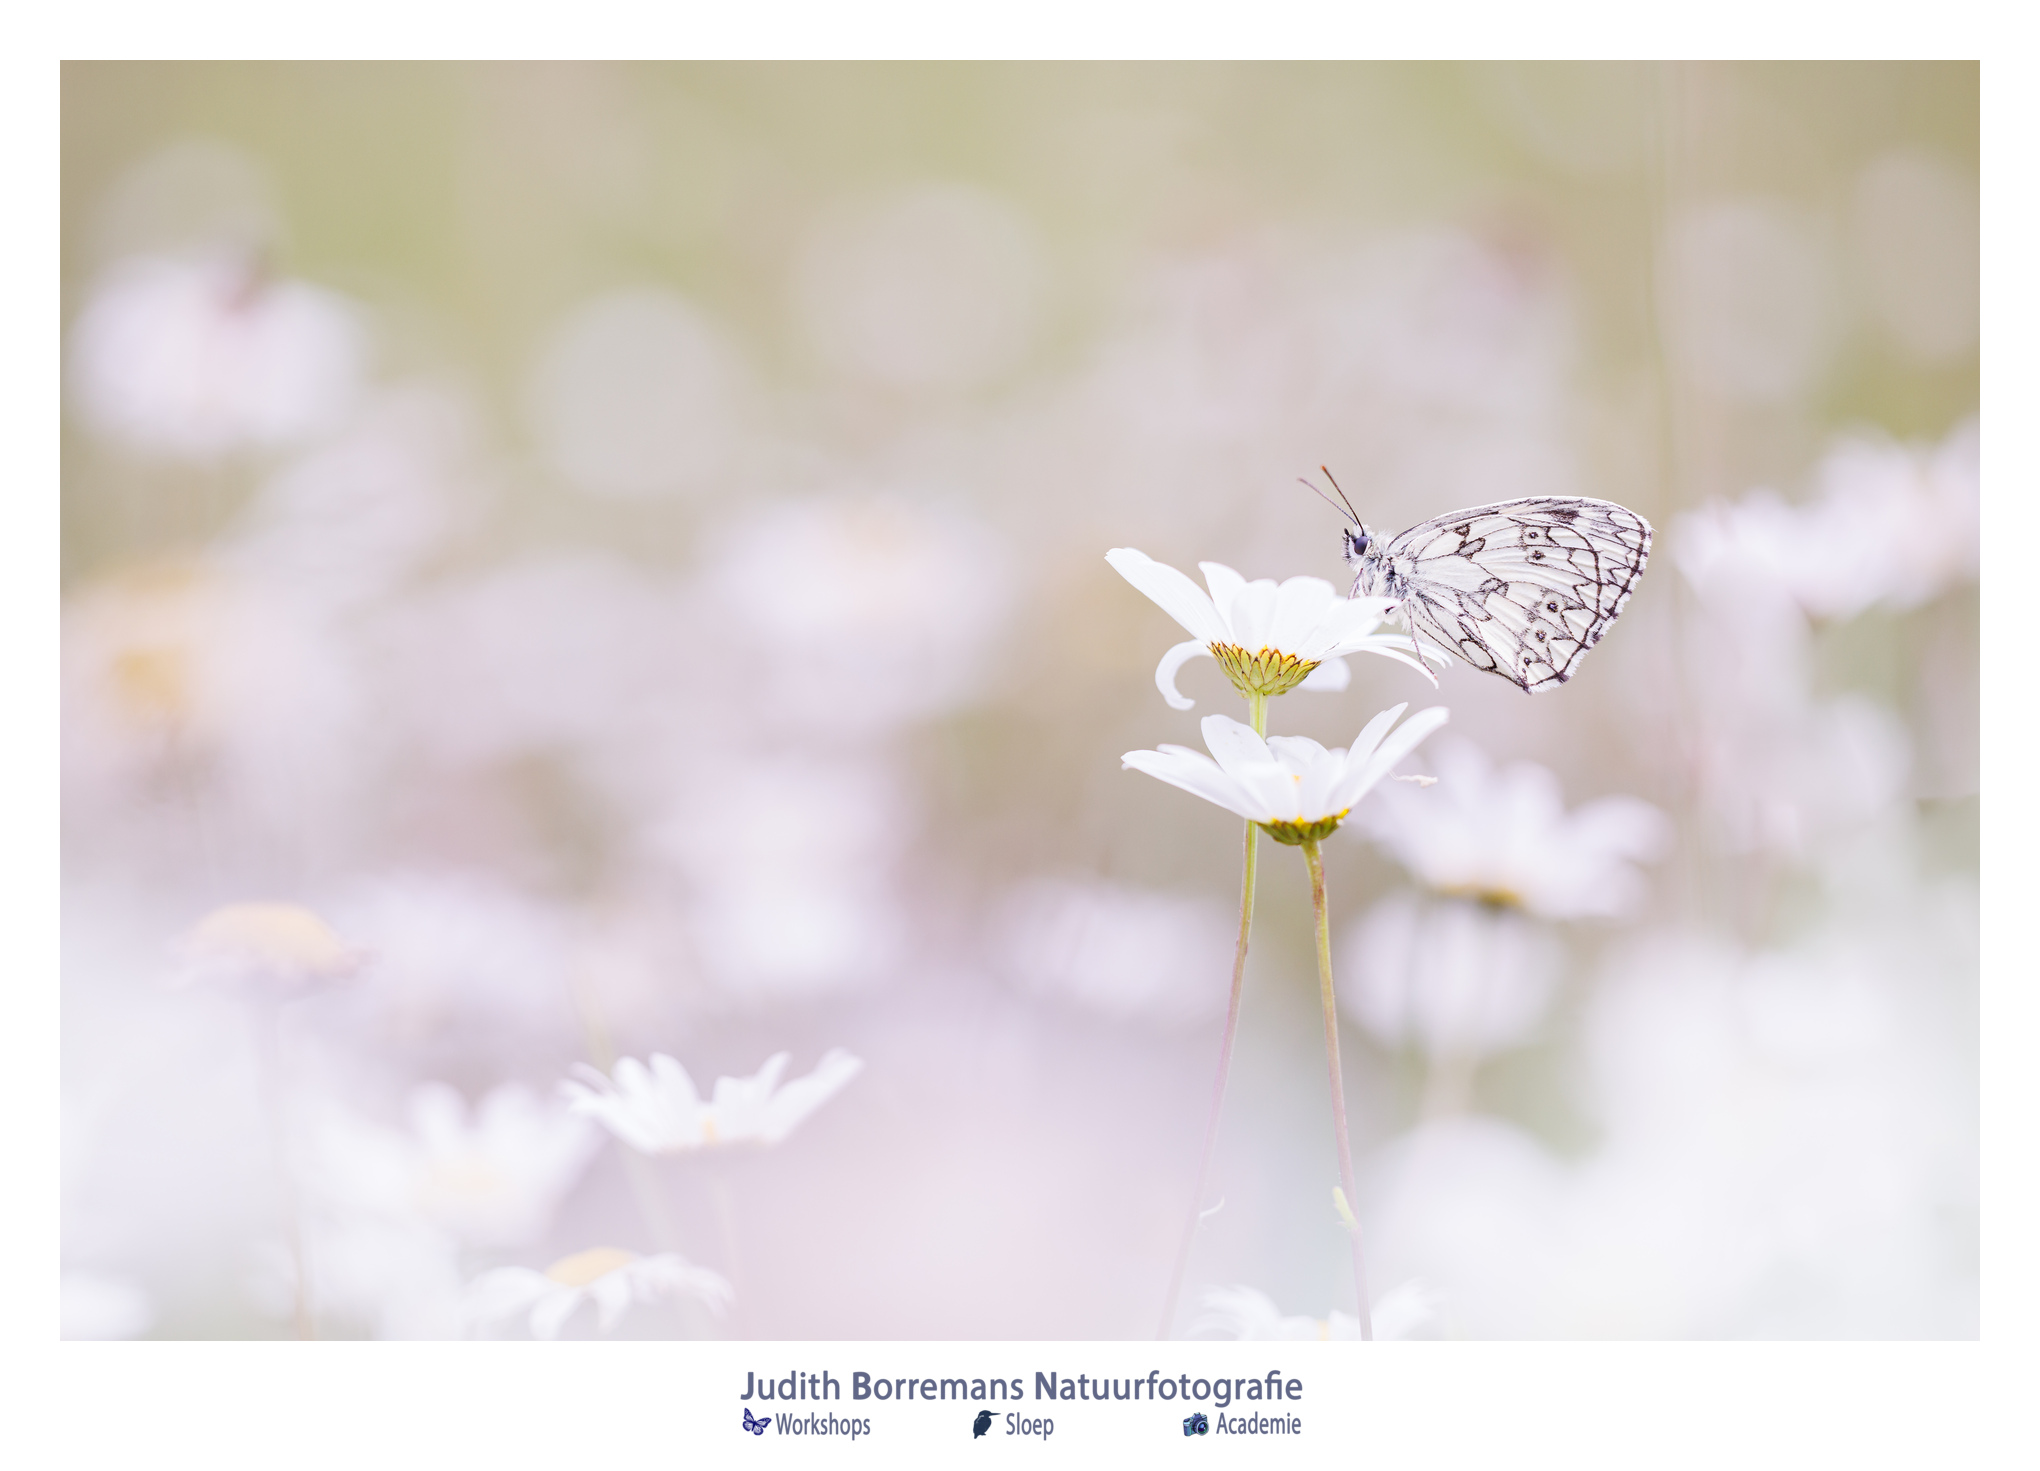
1258, 705
1315, 859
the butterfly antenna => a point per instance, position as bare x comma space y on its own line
1342, 495
1345, 510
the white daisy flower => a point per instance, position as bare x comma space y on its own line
1295, 789
195, 358
656, 1110
490, 1178
610, 1277
1503, 836
1268, 639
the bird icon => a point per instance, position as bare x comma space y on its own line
980, 1425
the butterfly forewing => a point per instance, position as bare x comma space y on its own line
1521, 588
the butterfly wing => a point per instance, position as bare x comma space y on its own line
1520, 588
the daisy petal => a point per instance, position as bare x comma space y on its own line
1225, 585
1165, 672
1176, 595
1298, 754
1371, 734
1232, 744
1389, 646
1252, 615
1197, 775
1345, 620
1358, 782
552, 1312
1301, 604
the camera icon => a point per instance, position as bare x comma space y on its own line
1196, 1425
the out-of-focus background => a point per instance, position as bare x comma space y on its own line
612, 556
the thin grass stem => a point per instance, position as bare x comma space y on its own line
1258, 705
1315, 859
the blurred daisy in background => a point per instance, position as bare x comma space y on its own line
490, 1179
274, 949
656, 1110
609, 1277
195, 358
1452, 979
850, 613
1503, 836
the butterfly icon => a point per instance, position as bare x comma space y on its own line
757, 1426
1519, 588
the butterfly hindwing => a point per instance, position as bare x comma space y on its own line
1520, 588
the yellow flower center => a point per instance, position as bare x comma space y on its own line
153, 683
1269, 672
1488, 896
584, 1267
283, 937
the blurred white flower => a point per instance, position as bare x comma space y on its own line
1268, 639
773, 918
1503, 836
278, 949
656, 1110
1246, 1313
1455, 977
493, 1180
460, 958
1892, 524
611, 1278
853, 612
565, 650
1789, 1137
637, 396
1479, 1209
195, 674
1120, 950
196, 358
344, 521
1813, 777
1292, 786
96, 1305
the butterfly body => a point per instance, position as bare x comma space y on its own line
1519, 588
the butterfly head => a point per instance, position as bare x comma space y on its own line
1355, 538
